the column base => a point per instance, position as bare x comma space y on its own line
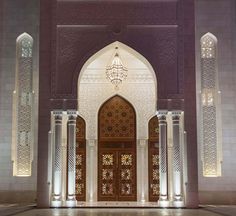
178, 203
164, 203
143, 200
56, 203
71, 203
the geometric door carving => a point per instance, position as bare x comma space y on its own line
153, 159
117, 151
80, 179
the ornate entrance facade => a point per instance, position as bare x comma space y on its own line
155, 40
117, 151
123, 169
117, 147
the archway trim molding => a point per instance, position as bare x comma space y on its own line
126, 47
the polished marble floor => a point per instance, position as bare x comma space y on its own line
117, 212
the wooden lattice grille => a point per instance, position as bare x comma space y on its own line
80, 183
116, 120
117, 151
153, 159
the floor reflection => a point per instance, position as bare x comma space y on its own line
117, 212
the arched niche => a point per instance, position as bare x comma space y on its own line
140, 87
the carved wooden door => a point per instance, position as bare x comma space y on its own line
117, 151
153, 157
80, 179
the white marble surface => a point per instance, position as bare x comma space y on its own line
204, 210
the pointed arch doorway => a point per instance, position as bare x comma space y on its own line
117, 151
139, 93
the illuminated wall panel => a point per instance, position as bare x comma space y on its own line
210, 108
23, 99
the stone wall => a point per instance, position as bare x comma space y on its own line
215, 16
218, 17
18, 17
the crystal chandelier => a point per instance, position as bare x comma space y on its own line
116, 72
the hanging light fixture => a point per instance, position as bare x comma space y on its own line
116, 72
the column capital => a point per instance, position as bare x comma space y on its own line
72, 112
72, 115
57, 112
176, 112
162, 114
176, 115
57, 116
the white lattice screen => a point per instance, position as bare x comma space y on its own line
23, 98
210, 108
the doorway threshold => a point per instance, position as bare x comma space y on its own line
117, 204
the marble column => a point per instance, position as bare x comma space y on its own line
71, 160
57, 159
50, 165
177, 160
163, 164
142, 168
91, 144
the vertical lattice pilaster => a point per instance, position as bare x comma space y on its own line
57, 159
210, 107
23, 139
177, 159
71, 154
163, 154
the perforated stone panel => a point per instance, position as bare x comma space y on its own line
210, 141
176, 158
209, 102
208, 49
23, 103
